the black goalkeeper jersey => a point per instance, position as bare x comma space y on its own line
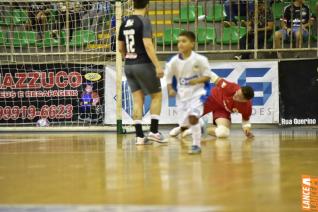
132, 31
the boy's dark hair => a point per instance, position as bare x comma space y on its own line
248, 92
140, 4
189, 34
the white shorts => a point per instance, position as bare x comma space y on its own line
190, 108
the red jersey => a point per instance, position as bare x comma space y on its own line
221, 98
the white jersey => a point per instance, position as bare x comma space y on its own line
193, 67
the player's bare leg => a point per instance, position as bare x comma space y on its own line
156, 101
138, 102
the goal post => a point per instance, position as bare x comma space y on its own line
119, 69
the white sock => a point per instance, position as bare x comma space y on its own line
154, 116
196, 134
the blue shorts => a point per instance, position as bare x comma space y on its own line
293, 32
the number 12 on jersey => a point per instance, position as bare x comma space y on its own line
130, 40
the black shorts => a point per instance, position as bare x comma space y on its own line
143, 77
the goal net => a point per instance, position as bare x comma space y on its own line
54, 56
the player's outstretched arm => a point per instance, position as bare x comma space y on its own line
150, 49
199, 80
214, 78
217, 80
247, 128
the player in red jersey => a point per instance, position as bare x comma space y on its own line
226, 98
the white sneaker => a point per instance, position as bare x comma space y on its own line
157, 137
186, 133
204, 130
143, 141
175, 132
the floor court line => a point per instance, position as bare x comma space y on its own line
105, 208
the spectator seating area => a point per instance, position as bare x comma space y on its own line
23, 27
214, 15
205, 18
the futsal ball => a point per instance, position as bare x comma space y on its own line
42, 123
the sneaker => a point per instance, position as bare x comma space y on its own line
175, 132
157, 137
143, 141
195, 150
186, 133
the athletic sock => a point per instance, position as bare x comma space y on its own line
154, 123
138, 128
196, 135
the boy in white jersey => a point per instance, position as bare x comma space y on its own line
193, 74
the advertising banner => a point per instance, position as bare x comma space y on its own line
262, 76
298, 92
57, 92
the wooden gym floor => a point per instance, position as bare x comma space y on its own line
103, 172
